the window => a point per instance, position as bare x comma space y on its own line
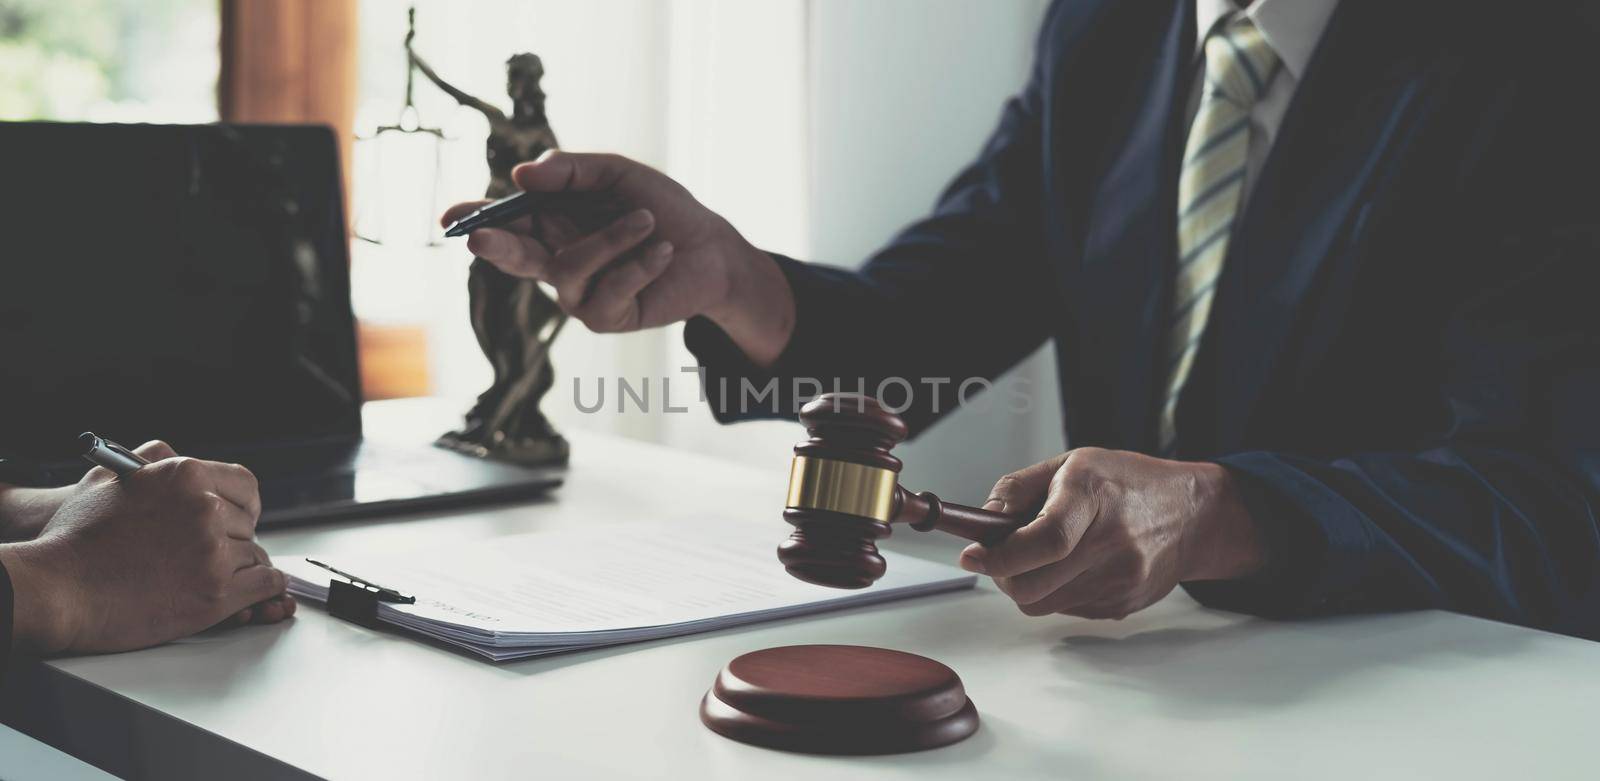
109, 60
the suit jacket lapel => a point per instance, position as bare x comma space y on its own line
1129, 230
1349, 117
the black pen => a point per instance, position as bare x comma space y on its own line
104, 452
589, 207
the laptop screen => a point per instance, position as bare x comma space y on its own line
188, 283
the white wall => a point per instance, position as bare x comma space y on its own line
902, 94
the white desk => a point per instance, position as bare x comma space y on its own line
1175, 691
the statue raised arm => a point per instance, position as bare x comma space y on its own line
493, 112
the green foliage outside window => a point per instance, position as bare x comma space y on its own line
107, 59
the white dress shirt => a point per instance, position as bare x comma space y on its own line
1292, 28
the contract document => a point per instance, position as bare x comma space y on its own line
547, 592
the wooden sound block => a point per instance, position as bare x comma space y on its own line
839, 699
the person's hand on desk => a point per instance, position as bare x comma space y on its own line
1115, 532
668, 260
130, 562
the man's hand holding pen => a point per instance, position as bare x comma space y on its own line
156, 554
665, 258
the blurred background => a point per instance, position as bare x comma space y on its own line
817, 127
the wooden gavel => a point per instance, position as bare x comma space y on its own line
844, 493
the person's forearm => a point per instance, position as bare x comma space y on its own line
1462, 528
759, 311
40, 614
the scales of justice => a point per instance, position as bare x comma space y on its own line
515, 321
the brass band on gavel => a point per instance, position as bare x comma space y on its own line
843, 487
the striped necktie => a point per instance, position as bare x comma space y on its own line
1239, 65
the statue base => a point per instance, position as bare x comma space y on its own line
548, 450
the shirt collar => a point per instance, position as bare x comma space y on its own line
1291, 27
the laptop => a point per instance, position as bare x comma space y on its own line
191, 284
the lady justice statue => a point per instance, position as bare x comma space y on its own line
515, 321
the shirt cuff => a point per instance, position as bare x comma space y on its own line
1317, 545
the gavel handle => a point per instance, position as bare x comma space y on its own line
925, 511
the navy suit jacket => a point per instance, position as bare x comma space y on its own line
1402, 364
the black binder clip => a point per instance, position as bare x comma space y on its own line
356, 599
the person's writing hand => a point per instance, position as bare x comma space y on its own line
139, 560
1114, 532
666, 259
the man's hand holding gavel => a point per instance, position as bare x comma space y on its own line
1114, 532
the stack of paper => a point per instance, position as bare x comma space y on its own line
543, 593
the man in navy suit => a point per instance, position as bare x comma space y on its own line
1319, 278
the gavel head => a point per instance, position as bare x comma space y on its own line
843, 488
